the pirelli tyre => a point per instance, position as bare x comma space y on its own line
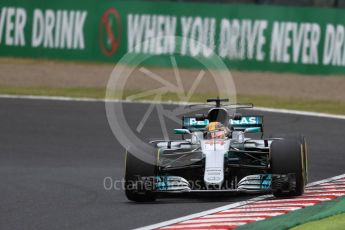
303, 141
288, 167
139, 179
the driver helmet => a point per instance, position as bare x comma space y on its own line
217, 130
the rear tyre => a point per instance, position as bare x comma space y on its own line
287, 158
139, 179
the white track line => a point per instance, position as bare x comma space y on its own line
252, 214
324, 194
263, 109
297, 112
296, 204
230, 206
225, 219
267, 208
214, 225
50, 98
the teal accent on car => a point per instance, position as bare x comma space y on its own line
253, 130
249, 124
247, 120
181, 131
161, 183
194, 123
266, 181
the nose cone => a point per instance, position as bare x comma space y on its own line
214, 151
214, 177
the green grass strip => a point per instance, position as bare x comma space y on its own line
333, 107
301, 216
334, 222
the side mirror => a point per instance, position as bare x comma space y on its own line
182, 131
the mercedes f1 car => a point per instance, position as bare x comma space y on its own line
216, 155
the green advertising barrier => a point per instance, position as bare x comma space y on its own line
246, 37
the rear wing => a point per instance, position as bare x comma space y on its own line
250, 124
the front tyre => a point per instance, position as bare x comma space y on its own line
303, 141
139, 179
288, 168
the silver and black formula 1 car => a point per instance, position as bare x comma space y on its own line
216, 155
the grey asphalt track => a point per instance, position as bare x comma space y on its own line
54, 156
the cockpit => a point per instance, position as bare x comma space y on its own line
218, 115
218, 126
